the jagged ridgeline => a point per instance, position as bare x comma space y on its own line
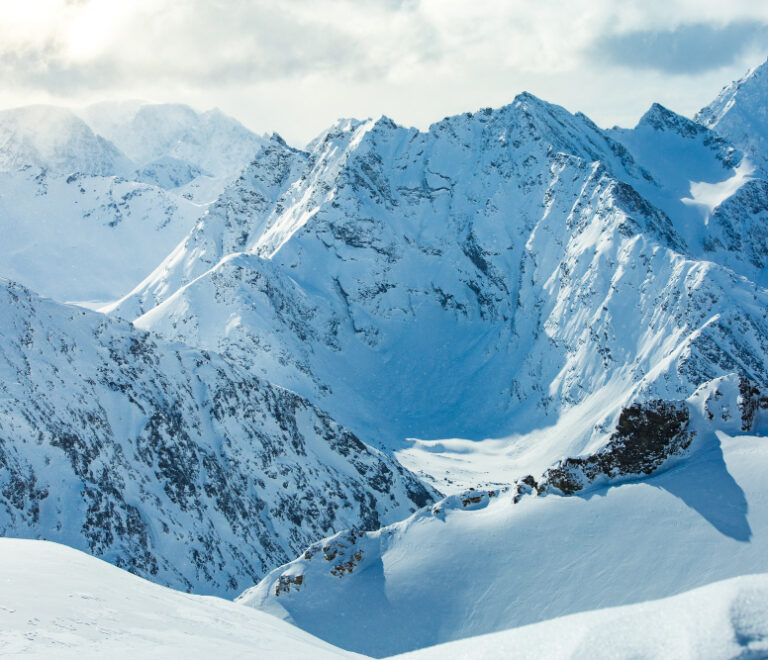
500, 273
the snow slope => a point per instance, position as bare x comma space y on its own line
727, 619
482, 562
85, 237
169, 461
58, 602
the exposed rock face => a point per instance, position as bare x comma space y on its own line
168, 461
647, 436
751, 400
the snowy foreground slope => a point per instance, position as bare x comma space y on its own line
475, 564
728, 619
57, 602
169, 461
86, 219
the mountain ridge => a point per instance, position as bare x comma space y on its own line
167, 461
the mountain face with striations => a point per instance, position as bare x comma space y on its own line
503, 273
169, 461
88, 209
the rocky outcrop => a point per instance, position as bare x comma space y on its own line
647, 436
751, 400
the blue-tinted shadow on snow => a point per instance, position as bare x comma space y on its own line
703, 483
711, 491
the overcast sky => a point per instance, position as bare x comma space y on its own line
295, 66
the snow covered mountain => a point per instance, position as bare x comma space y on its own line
169, 461
562, 328
83, 221
173, 145
718, 204
512, 272
57, 141
740, 114
486, 561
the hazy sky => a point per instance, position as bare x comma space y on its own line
295, 66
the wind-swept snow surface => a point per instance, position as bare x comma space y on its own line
56, 602
728, 619
59, 603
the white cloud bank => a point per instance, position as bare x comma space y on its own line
295, 65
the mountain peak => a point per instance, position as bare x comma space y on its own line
211, 141
740, 113
660, 118
527, 97
55, 139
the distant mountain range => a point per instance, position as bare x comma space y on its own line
91, 202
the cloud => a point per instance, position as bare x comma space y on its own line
314, 60
688, 49
43, 67
211, 42
66, 46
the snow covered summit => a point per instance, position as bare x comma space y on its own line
740, 113
56, 141
148, 133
